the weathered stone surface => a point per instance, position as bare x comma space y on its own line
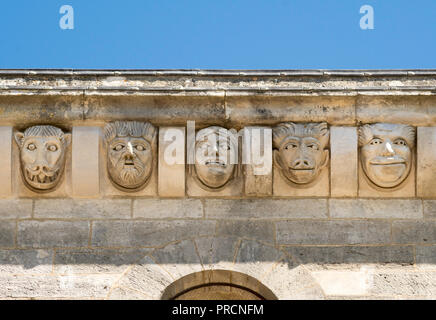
426, 257
375, 208
336, 282
257, 153
344, 160
85, 162
426, 162
167, 208
26, 262
179, 259
259, 230
6, 161
49, 234
217, 252
82, 209
147, 233
7, 234
352, 254
399, 283
126, 294
171, 181
333, 232
429, 209
265, 208
49, 286
147, 277
86, 261
419, 232
15, 208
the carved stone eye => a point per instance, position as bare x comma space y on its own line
375, 142
400, 142
52, 148
119, 147
140, 148
291, 146
313, 146
31, 147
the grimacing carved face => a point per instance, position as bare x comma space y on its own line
42, 155
130, 155
386, 154
300, 150
216, 155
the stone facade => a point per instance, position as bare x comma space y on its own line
311, 184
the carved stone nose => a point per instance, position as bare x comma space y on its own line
301, 163
387, 149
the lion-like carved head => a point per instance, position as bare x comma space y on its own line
42, 155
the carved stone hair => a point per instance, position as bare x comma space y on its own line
319, 131
43, 131
366, 133
130, 129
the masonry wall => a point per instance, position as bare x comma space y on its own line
338, 240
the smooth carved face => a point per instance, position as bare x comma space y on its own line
130, 161
300, 151
386, 154
42, 158
215, 158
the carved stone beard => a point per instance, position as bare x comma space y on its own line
129, 177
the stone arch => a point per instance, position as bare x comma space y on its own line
262, 264
217, 285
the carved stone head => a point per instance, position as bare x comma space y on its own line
42, 156
216, 158
300, 150
386, 152
131, 150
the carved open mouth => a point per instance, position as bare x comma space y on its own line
215, 163
41, 177
387, 162
129, 163
301, 169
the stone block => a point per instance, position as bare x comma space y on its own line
53, 234
257, 153
426, 162
7, 234
429, 209
6, 161
345, 255
15, 209
167, 208
85, 164
217, 252
87, 261
147, 233
426, 257
343, 166
171, 181
265, 208
82, 209
414, 232
333, 232
259, 230
376, 208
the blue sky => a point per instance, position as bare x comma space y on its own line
220, 34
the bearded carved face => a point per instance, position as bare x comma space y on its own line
42, 156
216, 157
130, 153
300, 150
386, 152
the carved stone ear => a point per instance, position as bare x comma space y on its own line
67, 139
277, 162
19, 136
326, 155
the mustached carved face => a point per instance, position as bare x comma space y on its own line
300, 151
130, 161
216, 157
386, 153
42, 156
